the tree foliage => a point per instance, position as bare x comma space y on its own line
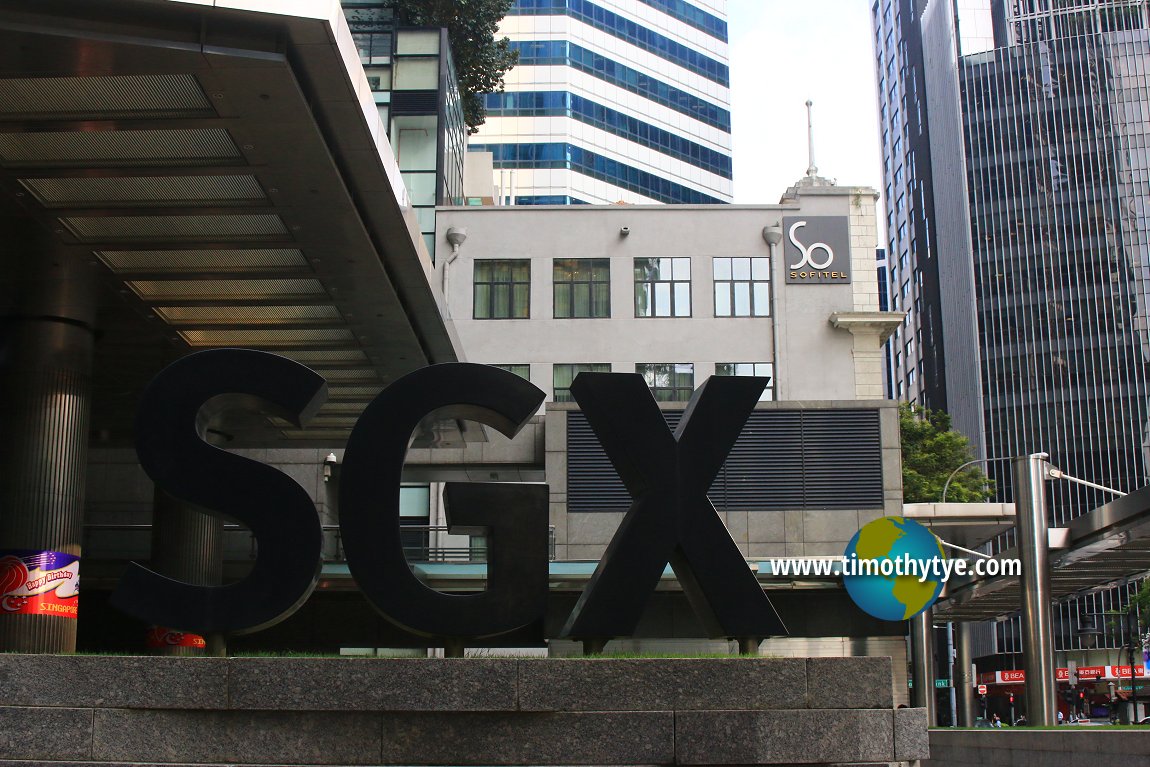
931, 450
481, 60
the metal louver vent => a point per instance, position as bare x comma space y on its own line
349, 357
266, 338
340, 434
247, 315
103, 97
170, 191
119, 148
353, 392
414, 102
353, 375
247, 227
176, 261
783, 459
225, 290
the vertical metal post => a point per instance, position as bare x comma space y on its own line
964, 675
922, 658
1030, 473
1135, 647
950, 675
46, 344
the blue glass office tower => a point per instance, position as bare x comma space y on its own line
613, 100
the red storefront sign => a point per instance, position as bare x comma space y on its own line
1085, 674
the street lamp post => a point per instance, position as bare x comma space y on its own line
1135, 632
1088, 635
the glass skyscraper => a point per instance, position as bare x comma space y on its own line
1016, 136
613, 100
1016, 172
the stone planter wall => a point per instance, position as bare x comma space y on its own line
86, 710
1068, 746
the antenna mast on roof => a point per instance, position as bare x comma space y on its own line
812, 169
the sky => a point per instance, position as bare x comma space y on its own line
784, 52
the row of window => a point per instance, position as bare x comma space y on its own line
563, 53
632, 32
564, 104
582, 287
569, 157
668, 381
689, 14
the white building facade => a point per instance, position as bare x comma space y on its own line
613, 100
679, 293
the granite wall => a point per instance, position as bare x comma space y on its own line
86, 710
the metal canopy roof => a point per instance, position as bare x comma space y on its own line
1108, 544
965, 524
227, 176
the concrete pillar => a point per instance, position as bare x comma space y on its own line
870, 331
187, 545
922, 670
964, 680
1037, 625
46, 345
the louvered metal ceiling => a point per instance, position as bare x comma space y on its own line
224, 173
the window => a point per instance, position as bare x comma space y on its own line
521, 370
582, 287
742, 287
563, 375
761, 369
502, 289
414, 517
669, 382
662, 287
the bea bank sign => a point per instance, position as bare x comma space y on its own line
817, 249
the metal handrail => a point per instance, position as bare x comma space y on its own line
476, 552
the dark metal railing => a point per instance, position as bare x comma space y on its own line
421, 543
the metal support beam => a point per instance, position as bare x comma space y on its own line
922, 657
964, 680
1030, 474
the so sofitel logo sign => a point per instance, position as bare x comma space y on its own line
817, 249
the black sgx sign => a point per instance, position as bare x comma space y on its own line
670, 520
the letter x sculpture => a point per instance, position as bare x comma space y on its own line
671, 520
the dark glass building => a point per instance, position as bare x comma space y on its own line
1057, 172
1015, 176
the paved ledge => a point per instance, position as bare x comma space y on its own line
1068, 746
73, 711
